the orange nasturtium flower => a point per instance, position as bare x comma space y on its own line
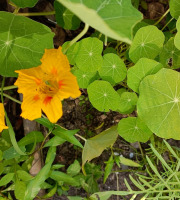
45, 86
2, 114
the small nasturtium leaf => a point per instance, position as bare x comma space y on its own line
89, 56
114, 18
177, 36
159, 103
127, 102
113, 69
133, 129
71, 52
174, 6
103, 96
147, 43
96, 145
85, 78
141, 69
65, 18
109, 50
22, 43
25, 3
121, 90
170, 55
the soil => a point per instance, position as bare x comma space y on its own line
79, 114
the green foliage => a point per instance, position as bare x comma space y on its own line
105, 16
174, 8
177, 37
147, 43
25, 3
22, 42
161, 113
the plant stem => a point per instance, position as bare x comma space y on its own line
9, 97
36, 14
9, 87
2, 86
80, 137
167, 24
81, 34
160, 19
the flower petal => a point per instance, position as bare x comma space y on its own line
54, 62
52, 107
2, 114
31, 107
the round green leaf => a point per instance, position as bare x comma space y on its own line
89, 56
174, 6
177, 36
121, 90
113, 69
65, 18
159, 103
133, 129
25, 3
112, 18
170, 55
102, 96
22, 43
109, 50
127, 102
147, 43
85, 78
141, 69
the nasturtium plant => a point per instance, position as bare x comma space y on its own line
89, 56
102, 96
141, 69
170, 55
133, 129
159, 103
121, 90
127, 102
65, 18
25, 3
177, 36
112, 18
22, 43
113, 69
147, 43
174, 6
84, 78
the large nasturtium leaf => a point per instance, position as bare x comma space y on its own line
170, 55
65, 18
96, 145
113, 69
141, 69
147, 43
174, 6
177, 36
133, 129
127, 102
102, 96
85, 78
25, 3
22, 43
89, 56
159, 103
114, 18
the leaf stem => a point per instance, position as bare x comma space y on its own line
160, 19
167, 24
80, 137
2, 86
36, 14
9, 87
81, 34
9, 97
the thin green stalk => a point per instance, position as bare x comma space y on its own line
36, 14
9, 87
167, 24
2, 86
81, 34
160, 19
9, 97
80, 137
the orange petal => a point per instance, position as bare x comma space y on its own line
2, 114
52, 109
68, 86
31, 107
54, 62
